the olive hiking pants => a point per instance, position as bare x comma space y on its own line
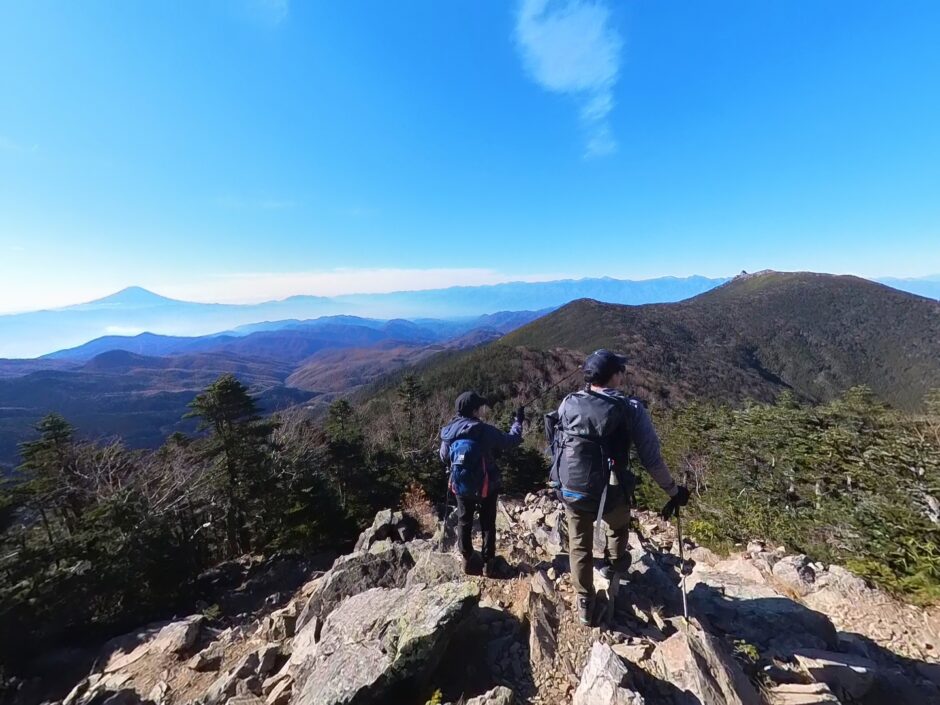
581, 542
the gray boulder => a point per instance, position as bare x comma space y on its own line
604, 680
757, 614
178, 637
209, 659
125, 696
849, 677
353, 574
304, 645
634, 650
280, 624
856, 679
504, 520
163, 637
696, 662
432, 568
650, 580
96, 690
803, 694
396, 526
531, 518
796, 573
224, 686
380, 640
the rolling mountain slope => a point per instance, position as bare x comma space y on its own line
338, 371
816, 334
813, 334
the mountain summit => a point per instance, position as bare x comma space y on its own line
814, 335
131, 296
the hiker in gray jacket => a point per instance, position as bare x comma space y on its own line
595, 429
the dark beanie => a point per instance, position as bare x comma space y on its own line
468, 402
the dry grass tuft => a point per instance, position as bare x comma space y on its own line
416, 504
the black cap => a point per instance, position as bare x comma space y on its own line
602, 364
469, 402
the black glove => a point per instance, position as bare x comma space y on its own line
519, 415
680, 499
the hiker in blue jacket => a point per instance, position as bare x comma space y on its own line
469, 447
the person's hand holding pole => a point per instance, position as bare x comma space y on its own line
680, 499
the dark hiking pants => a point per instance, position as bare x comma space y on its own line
581, 542
466, 506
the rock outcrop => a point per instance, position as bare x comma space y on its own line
382, 640
388, 526
697, 662
396, 621
604, 680
356, 573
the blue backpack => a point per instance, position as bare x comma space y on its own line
468, 475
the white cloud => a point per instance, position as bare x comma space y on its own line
569, 47
252, 287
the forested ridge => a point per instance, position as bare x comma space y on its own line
814, 335
97, 538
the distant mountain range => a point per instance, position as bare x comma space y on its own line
928, 287
138, 387
814, 335
294, 340
135, 310
750, 338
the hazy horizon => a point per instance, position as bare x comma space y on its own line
261, 299
332, 149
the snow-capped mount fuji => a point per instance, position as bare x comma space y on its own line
131, 296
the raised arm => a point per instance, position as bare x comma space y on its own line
499, 440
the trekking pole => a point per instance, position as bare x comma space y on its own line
554, 386
440, 544
685, 602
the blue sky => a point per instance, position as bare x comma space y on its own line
249, 149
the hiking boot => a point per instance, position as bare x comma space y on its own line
585, 610
619, 566
473, 564
495, 568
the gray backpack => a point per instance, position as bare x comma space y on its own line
580, 436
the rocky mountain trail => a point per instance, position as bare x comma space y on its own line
396, 621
